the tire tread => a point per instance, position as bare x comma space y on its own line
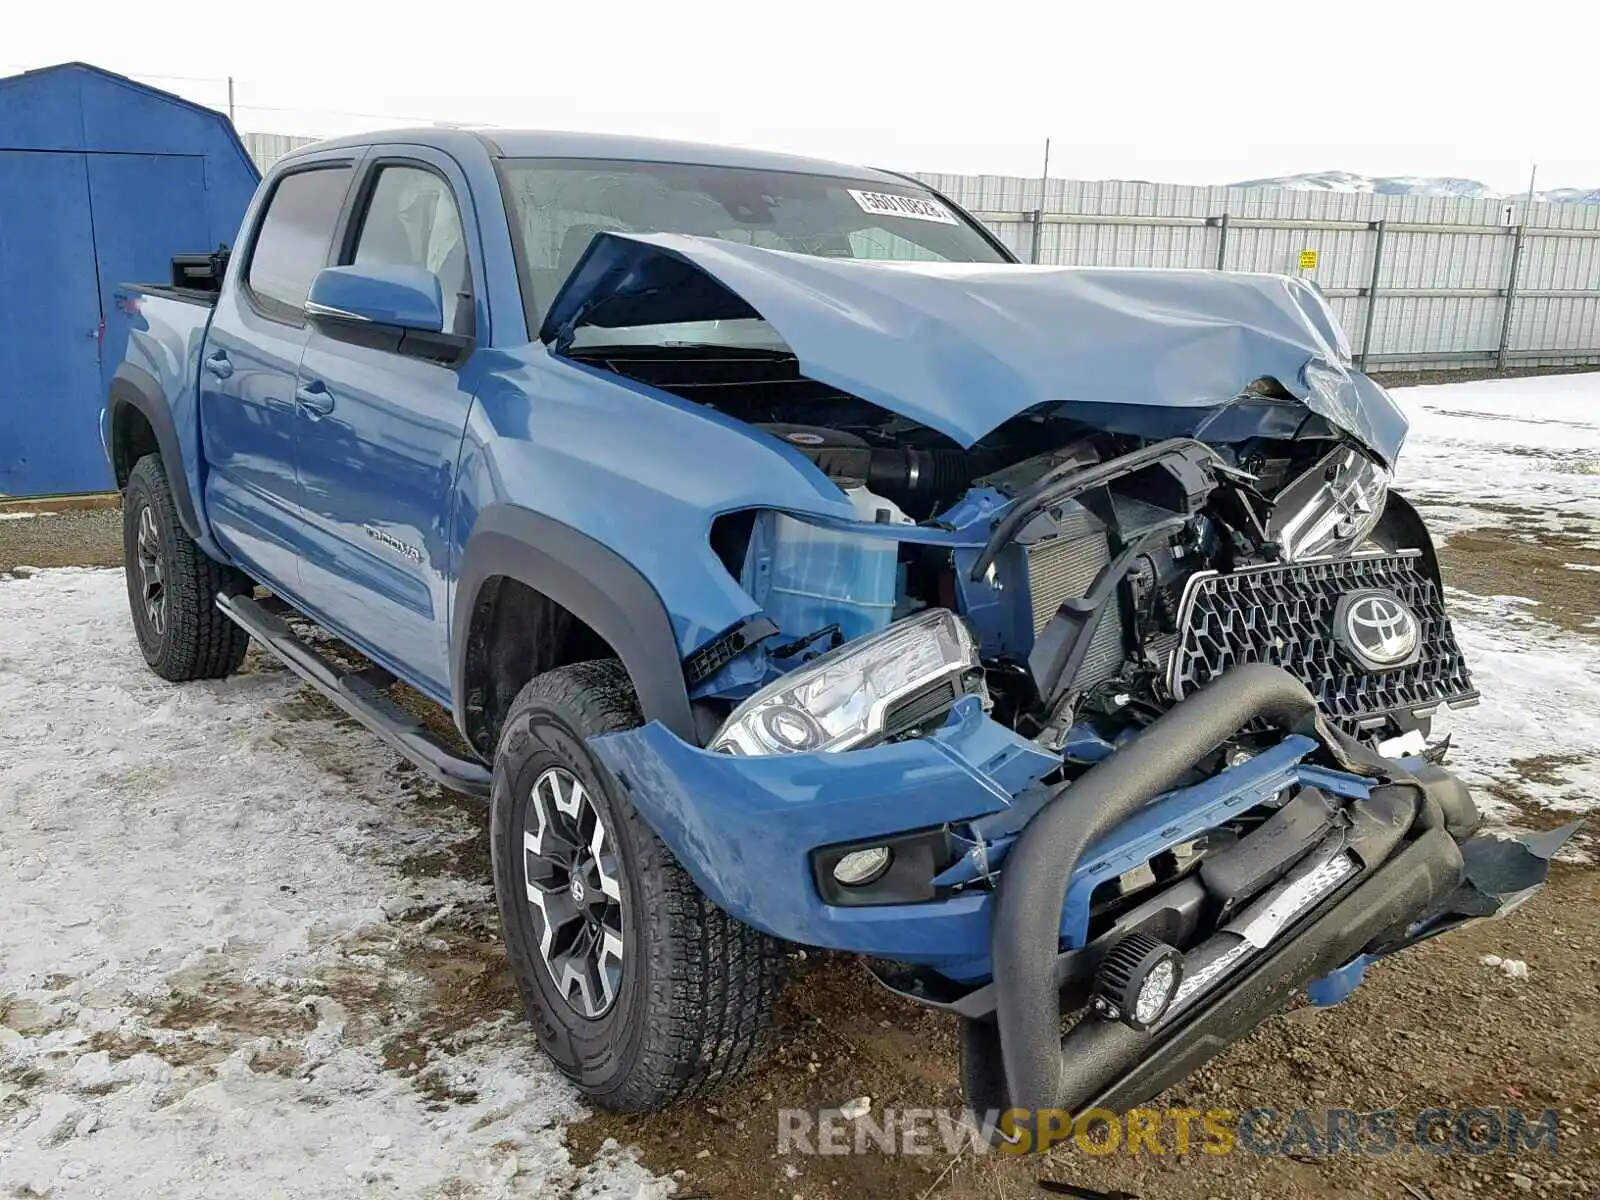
200, 641
715, 980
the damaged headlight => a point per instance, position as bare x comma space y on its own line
870, 688
1329, 510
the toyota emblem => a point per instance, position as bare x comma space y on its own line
1377, 630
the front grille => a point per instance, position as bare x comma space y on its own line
1064, 568
1284, 615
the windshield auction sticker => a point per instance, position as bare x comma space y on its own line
889, 204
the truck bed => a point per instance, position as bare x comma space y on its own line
196, 278
189, 295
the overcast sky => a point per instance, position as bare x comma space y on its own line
1192, 93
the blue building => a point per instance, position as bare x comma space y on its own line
102, 180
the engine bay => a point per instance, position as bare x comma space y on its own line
1103, 576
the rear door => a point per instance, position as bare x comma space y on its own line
50, 344
248, 404
377, 458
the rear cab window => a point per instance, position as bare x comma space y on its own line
293, 240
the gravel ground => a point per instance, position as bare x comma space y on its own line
378, 1045
90, 537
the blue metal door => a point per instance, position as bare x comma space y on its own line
146, 208
50, 389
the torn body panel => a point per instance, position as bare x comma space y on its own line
962, 347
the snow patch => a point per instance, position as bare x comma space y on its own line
204, 945
1480, 454
1511, 968
1515, 454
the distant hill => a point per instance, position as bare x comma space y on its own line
1412, 185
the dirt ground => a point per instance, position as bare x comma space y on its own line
1436, 1027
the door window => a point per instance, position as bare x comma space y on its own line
412, 221
292, 245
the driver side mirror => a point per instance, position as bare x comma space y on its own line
395, 308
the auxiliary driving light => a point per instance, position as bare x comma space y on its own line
1137, 981
861, 867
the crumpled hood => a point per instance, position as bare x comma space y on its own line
962, 347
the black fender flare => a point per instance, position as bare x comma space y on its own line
1402, 528
133, 388
595, 584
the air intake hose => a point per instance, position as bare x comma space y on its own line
1033, 882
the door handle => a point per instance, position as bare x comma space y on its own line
219, 365
314, 398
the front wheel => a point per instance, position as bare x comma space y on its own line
640, 989
173, 585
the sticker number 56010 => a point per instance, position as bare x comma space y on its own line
891, 205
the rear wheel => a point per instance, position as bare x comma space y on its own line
173, 585
640, 989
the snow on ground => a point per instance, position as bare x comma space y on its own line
1536, 730
1520, 457
1479, 452
207, 944
222, 971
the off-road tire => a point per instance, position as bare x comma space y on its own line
191, 639
695, 999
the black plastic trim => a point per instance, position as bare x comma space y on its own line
1069, 479
447, 349
1416, 879
1173, 915
710, 658
1402, 528
1033, 880
1058, 652
915, 858
360, 695
595, 584
135, 388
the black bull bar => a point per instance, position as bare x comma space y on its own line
1412, 858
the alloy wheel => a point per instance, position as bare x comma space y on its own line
574, 889
153, 588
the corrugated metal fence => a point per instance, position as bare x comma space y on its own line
268, 148
1417, 281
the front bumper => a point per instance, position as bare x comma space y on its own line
745, 828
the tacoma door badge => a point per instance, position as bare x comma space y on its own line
394, 543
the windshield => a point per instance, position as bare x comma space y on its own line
560, 204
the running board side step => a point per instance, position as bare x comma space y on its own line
359, 694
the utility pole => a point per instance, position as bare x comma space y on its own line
1038, 213
1532, 175
230, 99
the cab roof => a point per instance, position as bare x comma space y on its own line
534, 143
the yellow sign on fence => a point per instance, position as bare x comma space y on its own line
1308, 260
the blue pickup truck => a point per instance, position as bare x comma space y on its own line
797, 567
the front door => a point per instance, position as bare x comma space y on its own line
252, 352
377, 455
50, 393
